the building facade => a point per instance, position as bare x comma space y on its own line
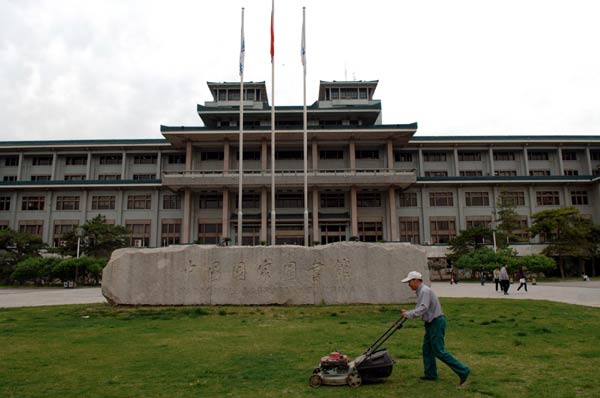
366, 179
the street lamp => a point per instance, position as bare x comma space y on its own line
79, 232
493, 227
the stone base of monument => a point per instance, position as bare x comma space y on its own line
340, 273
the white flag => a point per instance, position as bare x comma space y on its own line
242, 47
303, 46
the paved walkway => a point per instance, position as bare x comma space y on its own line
581, 293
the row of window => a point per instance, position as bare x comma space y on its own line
504, 173
476, 156
82, 177
214, 200
81, 160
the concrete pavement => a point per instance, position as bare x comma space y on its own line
580, 293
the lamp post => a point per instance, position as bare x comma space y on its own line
79, 233
493, 227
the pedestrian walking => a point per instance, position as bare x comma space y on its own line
504, 281
496, 277
429, 309
522, 279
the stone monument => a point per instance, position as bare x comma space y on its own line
339, 273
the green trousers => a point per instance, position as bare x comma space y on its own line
433, 347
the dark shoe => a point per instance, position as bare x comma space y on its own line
425, 378
463, 380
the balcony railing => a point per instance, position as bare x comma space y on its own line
293, 172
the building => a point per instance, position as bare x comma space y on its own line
366, 179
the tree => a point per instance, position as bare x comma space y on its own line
508, 221
537, 263
468, 240
15, 247
566, 232
98, 238
35, 269
486, 259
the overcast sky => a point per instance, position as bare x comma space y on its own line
100, 69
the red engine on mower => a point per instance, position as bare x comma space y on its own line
335, 362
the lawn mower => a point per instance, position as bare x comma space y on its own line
375, 363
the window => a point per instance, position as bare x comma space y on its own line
176, 158
289, 155
579, 198
289, 200
469, 156
471, 173
144, 159
333, 200
76, 160
569, 155
349, 93
33, 203
537, 155
139, 202
211, 200
503, 156
332, 232
9, 178
109, 177
139, 232
403, 156
234, 95
61, 228
149, 176
477, 199
40, 178
370, 231
44, 160
209, 234
170, 232
505, 173
438, 199
436, 173
367, 154
32, 227
539, 173
331, 154
75, 177
547, 198
443, 229
4, 203
595, 155
478, 221
106, 202
368, 199
11, 161
409, 229
509, 198
249, 155
250, 200
522, 228
571, 172
408, 199
171, 202
67, 203
212, 155
111, 159
434, 156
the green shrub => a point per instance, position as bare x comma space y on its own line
35, 269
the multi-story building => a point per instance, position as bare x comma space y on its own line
366, 179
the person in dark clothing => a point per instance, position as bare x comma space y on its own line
522, 279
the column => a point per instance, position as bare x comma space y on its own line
157, 229
226, 157
159, 164
54, 161
352, 156
561, 165
187, 214
390, 155
21, 158
124, 166
353, 212
525, 162
491, 156
460, 225
588, 159
456, 166
315, 209
393, 215
88, 170
315, 156
421, 173
264, 164
226, 214
263, 214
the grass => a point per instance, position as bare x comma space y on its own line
515, 349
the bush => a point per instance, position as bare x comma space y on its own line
35, 269
81, 270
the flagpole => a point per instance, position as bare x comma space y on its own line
241, 146
273, 219
305, 139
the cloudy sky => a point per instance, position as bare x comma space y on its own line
99, 69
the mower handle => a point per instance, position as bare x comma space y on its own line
386, 335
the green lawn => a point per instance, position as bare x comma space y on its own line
514, 348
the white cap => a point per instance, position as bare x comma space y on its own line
413, 275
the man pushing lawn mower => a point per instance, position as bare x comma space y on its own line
429, 309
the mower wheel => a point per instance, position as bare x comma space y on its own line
315, 380
316, 370
354, 380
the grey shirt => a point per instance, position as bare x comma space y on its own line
503, 274
428, 306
